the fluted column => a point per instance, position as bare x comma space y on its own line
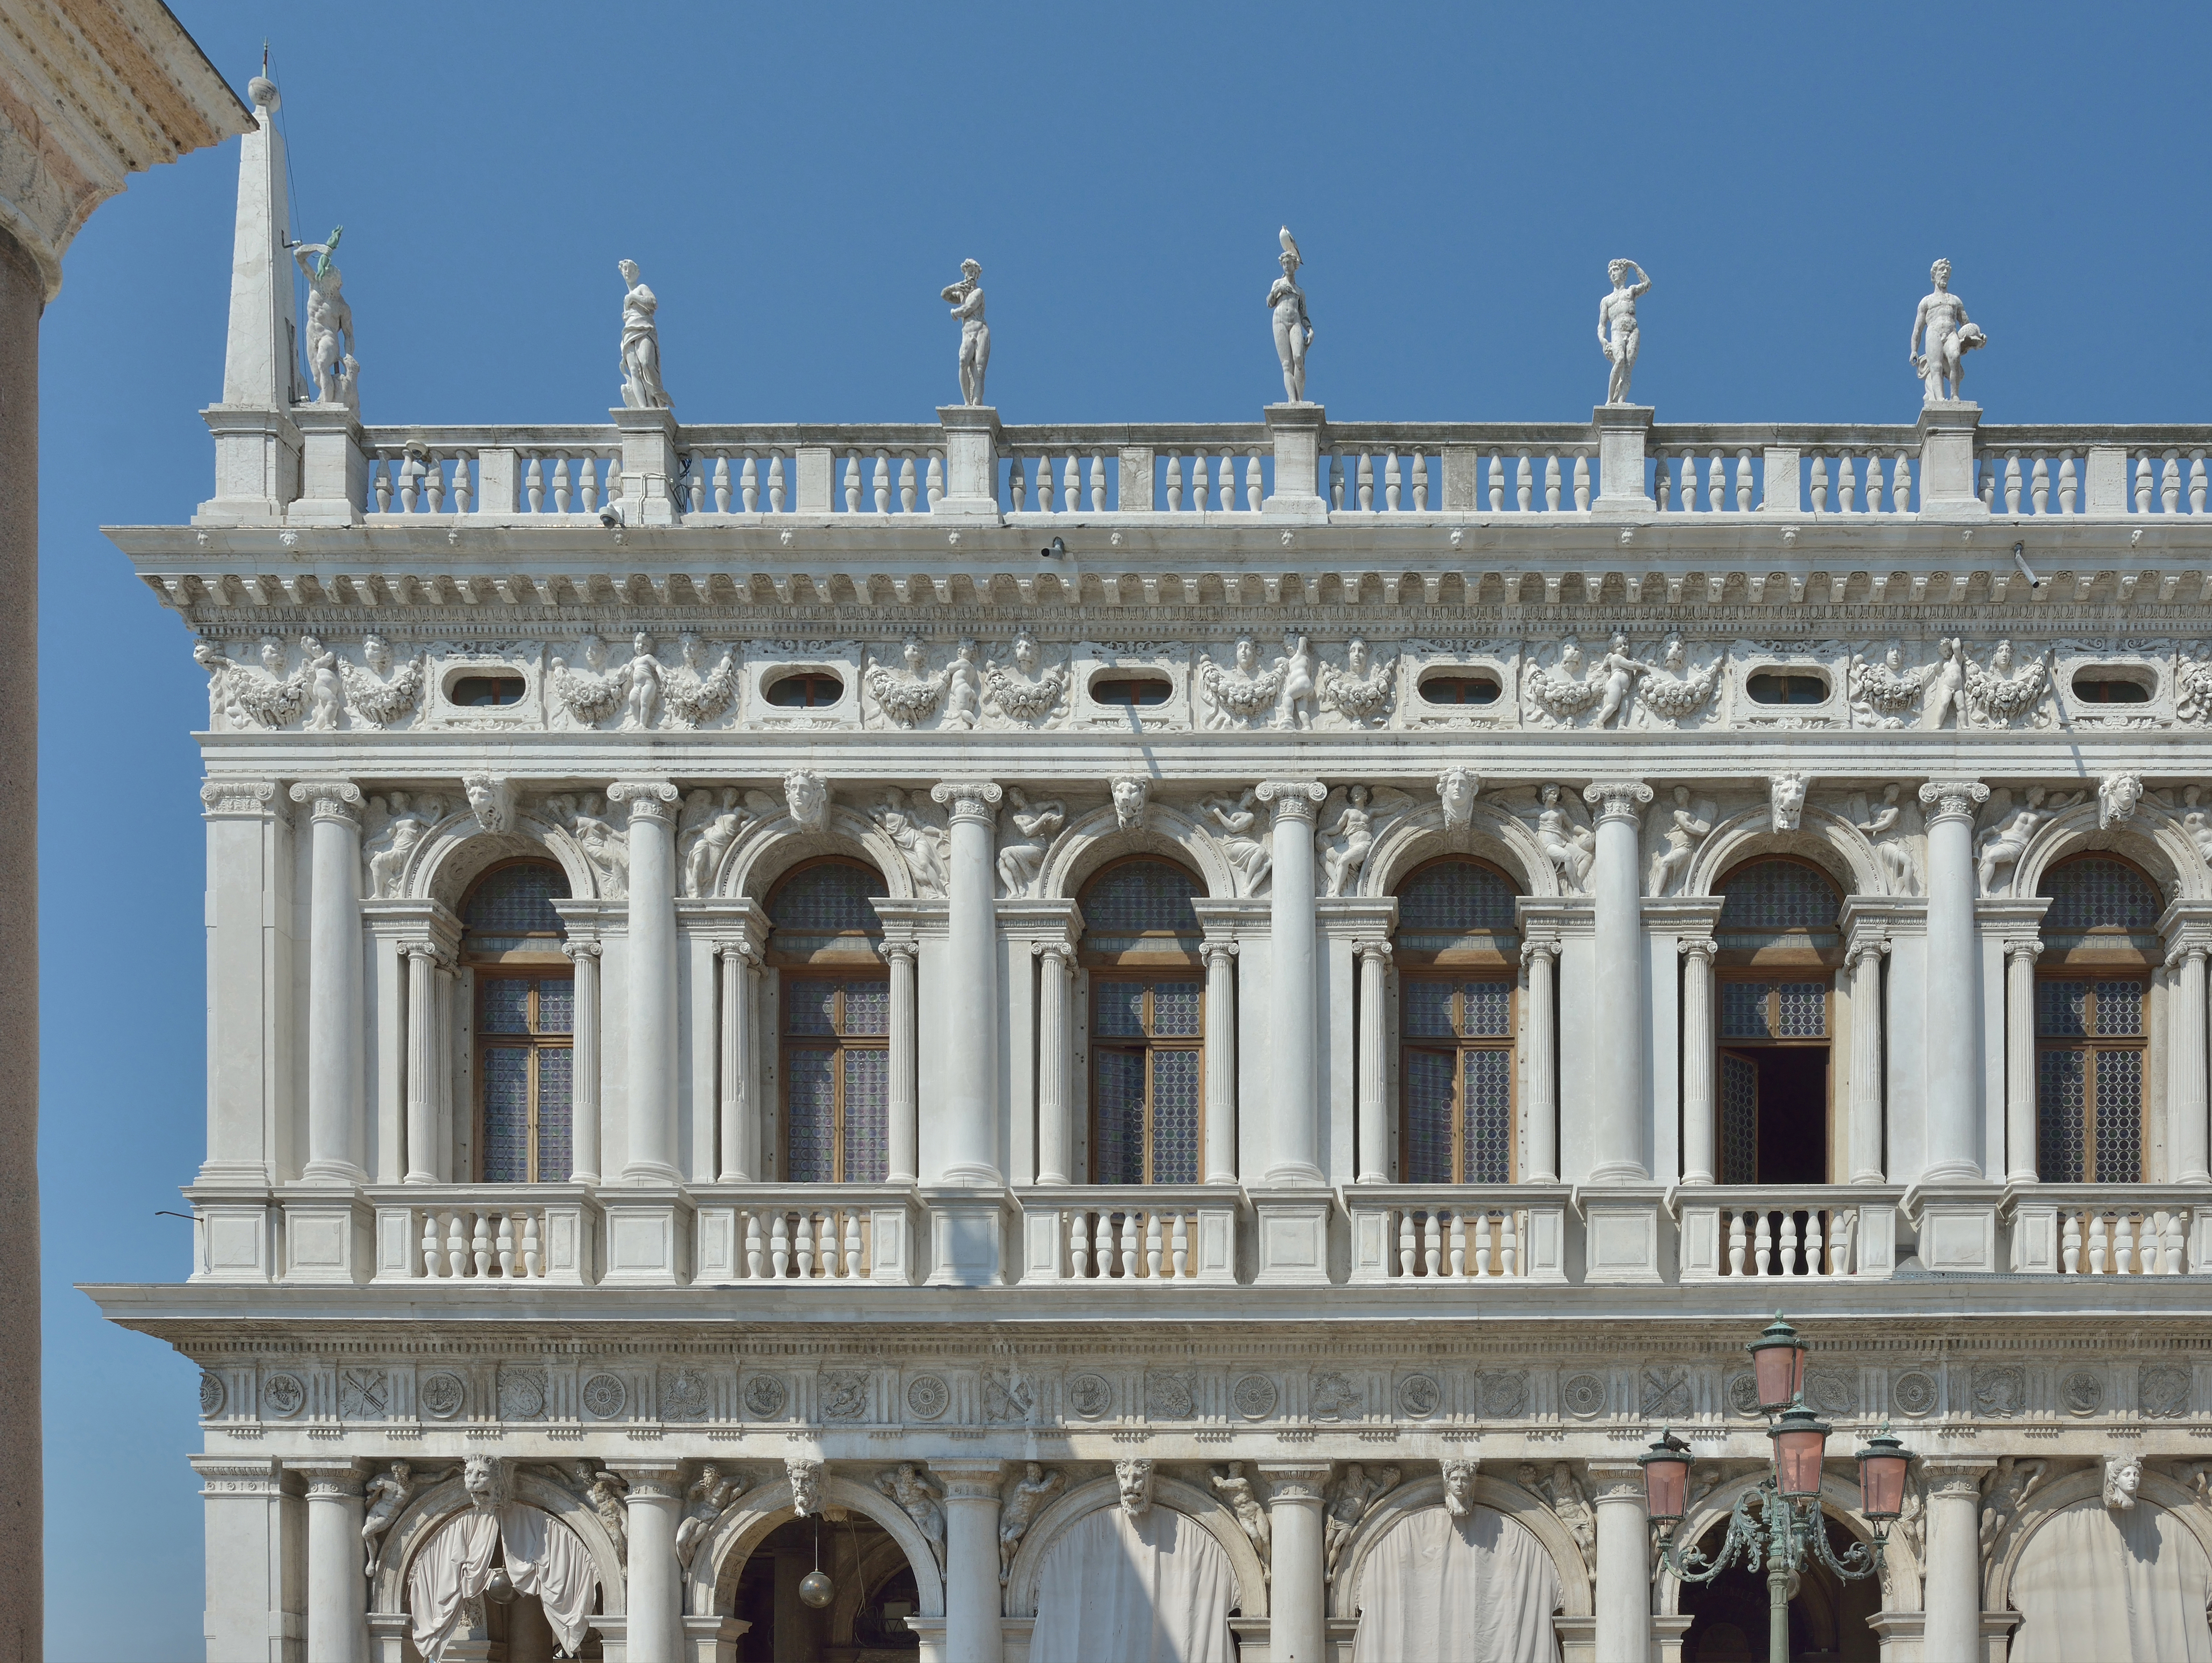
1374, 1113
1954, 983
584, 1090
2186, 1097
1863, 959
740, 1122
1298, 1585
970, 1121
655, 1579
1697, 1051
1539, 1079
1617, 893
338, 1592
972, 1632
2020, 1155
1294, 1156
1623, 1562
425, 1060
1953, 1587
1220, 1062
901, 1157
334, 1140
651, 970
1055, 1060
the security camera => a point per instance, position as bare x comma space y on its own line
2019, 559
1053, 551
611, 513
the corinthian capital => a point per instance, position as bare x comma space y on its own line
333, 799
1953, 800
1291, 799
1618, 799
976, 801
647, 800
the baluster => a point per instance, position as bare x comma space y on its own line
1483, 1244
534, 1248
2143, 483
1175, 484
2169, 487
1786, 1260
809, 1242
1552, 483
936, 481
1524, 481
1333, 471
1456, 1251
1099, 485
1433, 1245
1406, 1244
1764, 1253
1847, 483
1743, 482
1662, 483
1128, 1246
1390, 497
1179, 1253
2038, 487
2098, 1240
776, 483
533, 486
1225, 482
457, 1246
2068, 486
1736, 1242
1498, 484
1812, 1243
410, 468
1079, 1245
463, 486
2197, 482
1071, 484
1154, 1245
587, 481
2070, 1251
1367, 483
1820, 483
480, 1244
1509, 1245
1102, 1244
2172, 1239
1254, 482
854, 1242
379, 483
883, 482
779, 1246
825, 1240
2010, 465
1986, 470
2124, 1244
722, 484
561, 483
1715, 482
1870, 499
504, 1248
852, 481
906, 485
1420, 480
1018, 484
697, 471
748, 485
753, 1245
433, 1263
1582, 484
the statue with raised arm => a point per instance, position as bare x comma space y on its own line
328, 317
966, 298
1617, 313
1950, 338
640, 345
1294, 331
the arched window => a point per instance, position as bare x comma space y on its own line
1140, 947
2092, 1005
525, 1020
1779, 949
834, 1050
1455, 950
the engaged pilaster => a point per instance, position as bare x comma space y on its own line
2186, 1137
426, 1061
2021, 954
335, 1129
1540, 1092
1617, 894
1374, 1108
584, 1093
902, 1157
1298, 1569
1056, 1060
1697, 1048
1220, 1064
1863, 960
740, 1118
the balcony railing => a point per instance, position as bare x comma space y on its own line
1457, 1233
486, 1233
804, 1234
2109, 1229
1130, 1236
1810, 1230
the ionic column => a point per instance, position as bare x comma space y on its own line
1623, 1562
1864, 960
338, 1592
1374, 1111
1055, 1060
651, 968
425, 1059
1220, 1061
2186, 1097
1617, 892
740, 1128
902, 1155
1953, 1587
969, 1127
1698, 1044
1955, 984
972, 1632
584, 1090
655, 1578
334, 991
1539, 1089
2019, 1058
1294, 1156
1298, 1588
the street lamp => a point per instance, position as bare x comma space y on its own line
1789, 1528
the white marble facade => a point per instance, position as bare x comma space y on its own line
1326, 1003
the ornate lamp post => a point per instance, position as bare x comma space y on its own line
1788, 1529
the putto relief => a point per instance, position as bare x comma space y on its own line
641, 690
1618, 684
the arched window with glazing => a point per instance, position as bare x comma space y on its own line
2092, 1020
1779, 946
833, 1052
1147, 1023
524, 1023
1456, 951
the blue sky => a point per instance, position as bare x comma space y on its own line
799, 183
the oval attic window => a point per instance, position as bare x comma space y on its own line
1774, 687
1455, 688
477, 692
2108, 684
1132, 691
813, 690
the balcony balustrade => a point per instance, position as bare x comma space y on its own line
1819, 1231
1154, 1236
809, 1234
2109, 1229
486, 1233
1405, 1233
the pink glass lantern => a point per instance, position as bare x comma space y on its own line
1800, 1443
1882, 1466
1666, 1478
1777, 1366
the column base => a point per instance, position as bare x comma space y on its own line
967, 1237
1620, 1236
1293, 1236
713, 1639
1957, 1225
649, 1236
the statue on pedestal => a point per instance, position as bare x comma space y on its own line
336, 374
1294, 331
1950, 338
1616, 312
640, 345
966, 298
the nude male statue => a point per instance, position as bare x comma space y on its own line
328, 317
1618, 311
1950, 338
967, 301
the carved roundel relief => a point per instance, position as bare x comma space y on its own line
283, 1394
1914, 1393
2000, 1392
522, 1394
1090, 1395
927, 1397
1832, 1392
764, 1397
2162, 1392
212, 1396
605, 1396
1503, 1394
1582, 1395
1419, 1396
1168, 1396
441, 1396
1253, 1397
685, 1396
1743, 1393
2082, 1392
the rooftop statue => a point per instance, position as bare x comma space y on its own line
1616, 312
1294, 331
966, 297
336, 374
640, 345
1950, 338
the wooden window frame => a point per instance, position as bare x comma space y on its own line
2089, 1044
1149, 1045
1508, 1042
533, 1043
838, 1046
1809, 970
